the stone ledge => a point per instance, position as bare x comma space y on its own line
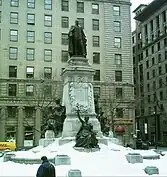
80, 149
63, 141
151, 157
151, 170
134, 158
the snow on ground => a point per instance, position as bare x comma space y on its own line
109, 161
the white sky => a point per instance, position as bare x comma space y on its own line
136, 3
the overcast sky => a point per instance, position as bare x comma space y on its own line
136, 3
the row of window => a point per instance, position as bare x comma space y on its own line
64, 21
48, 73
161, 97
30, 55
154, 85
64, 6
64, 38
160, 59
161, 71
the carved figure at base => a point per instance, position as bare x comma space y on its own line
86, 137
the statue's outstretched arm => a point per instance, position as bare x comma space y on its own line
79, 117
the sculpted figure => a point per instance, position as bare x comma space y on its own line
77, 41
86, 137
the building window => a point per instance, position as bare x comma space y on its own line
30, 36
160, 70
146, 52
117, 42
30, 54
118, 59
159, 46
148, 87
96, 58
64, 56
13, 52
118, 76
48, 55
96, 91
12, 89
95, 24
48, 20
30, 72
97, 75
160, 83
13, 35
14, 3
116, 10
119, 112
96, 41
64, 22
48, 4
29, 90
152, 49
0, 2
165, 42
154, 85
81, 22
148, 98
117, 26
165, 55
31, 4
65, 5
147, 64
159, 58
14, 17
161, 95
64, 39
166, 68
47, 90
48, 38
148, 75
80, 7
31, 19
0, 16
153, 73
13, 71
95, 8
153, 61
119, 93
48, 73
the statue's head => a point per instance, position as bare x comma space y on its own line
86, 119
77, 22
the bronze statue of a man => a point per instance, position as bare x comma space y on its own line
77, 41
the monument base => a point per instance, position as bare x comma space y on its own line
101, 140
78, 89
72, 125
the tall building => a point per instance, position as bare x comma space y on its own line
150, 66
33, 53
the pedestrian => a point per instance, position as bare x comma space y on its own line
46, 169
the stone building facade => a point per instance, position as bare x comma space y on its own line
150, 58
33, 53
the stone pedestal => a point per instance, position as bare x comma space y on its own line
78, 77
49, 138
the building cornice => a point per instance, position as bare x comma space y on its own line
151, 9
123, 2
